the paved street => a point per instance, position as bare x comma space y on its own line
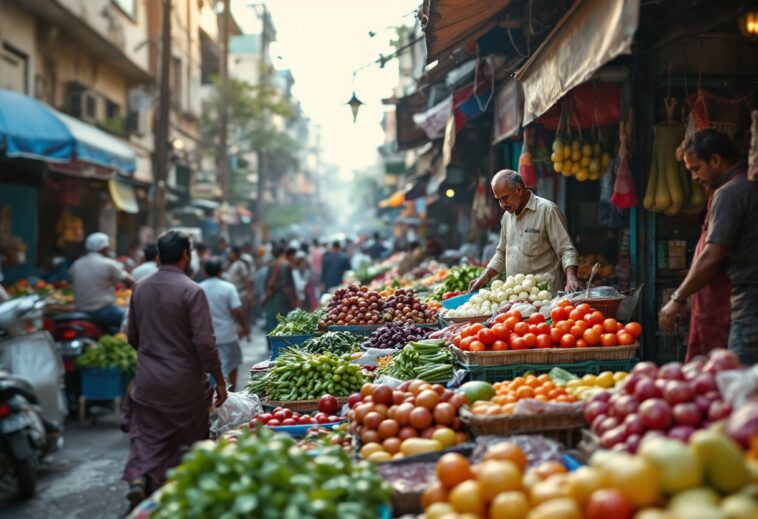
83, 481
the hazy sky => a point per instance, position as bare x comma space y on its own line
323, 42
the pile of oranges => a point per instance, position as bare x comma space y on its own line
508, 393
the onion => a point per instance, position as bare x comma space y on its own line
624, 406
687, 413
671, 371
719, 410
655, 414
704, 383
721, 360
646, 368
742, 426
633, 424
606, 425
678, 391
681, 433
646, 389
613, 437
595, 409
633, 443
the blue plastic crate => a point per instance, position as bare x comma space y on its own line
104, 383
278, 342
457, 301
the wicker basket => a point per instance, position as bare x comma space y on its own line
544, 356
301, 406
475, 319
564, 427
607, 305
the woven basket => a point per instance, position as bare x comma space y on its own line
475, 319
301, 406
544, 356
504, 425
607, 305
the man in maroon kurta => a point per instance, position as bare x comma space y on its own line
168, 408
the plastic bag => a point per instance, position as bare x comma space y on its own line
239, 408
531, 407
624, 193
372, 355
536, 448
738, 386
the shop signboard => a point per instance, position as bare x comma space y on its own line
509, 111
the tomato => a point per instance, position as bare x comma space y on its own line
500, 332
518, 344
634, 329
501, 318
563, 326
466, 343
533, 329
477, 346
457, 341
591, 337
598, 329
558, 314
536, 318
610, 325
517, 315
466, 331
576, 331
485, 336
521, 328
609, 503
531, 340
568, 341
499, 345
510, 323
555, 335
609, 339
576, 314
543, 328
619, 326
581, 343
593, 319
474, 328
544, 341
582, 325
584, 308
453, 468
565, 302
625, 339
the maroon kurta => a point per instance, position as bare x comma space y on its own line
170, 325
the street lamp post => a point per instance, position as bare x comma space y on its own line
158, 217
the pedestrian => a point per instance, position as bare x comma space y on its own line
299, 274
228, 320
200, 255
238, 274
279, 296
333, 266
168, 406
533, 236
94, 277
150, 265
731, 241
376, 248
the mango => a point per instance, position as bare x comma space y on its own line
636, 477
677, 466
722, 459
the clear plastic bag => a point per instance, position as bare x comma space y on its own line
239, 408
534, 407
536, 448
738, 386
372, 355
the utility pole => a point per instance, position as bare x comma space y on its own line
259, 211
223, 158
162, 123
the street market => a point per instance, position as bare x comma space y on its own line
536, 299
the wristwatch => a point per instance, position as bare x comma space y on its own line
677, 298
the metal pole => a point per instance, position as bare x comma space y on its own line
223, 159
262, 155
162, 123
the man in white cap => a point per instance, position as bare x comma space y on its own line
94, 277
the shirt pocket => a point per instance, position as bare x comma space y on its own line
530, 242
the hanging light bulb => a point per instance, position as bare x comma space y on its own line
355, 105
749, 24
450, 193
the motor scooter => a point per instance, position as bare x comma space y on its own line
73, 332
32, 406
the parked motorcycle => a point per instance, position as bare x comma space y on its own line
73, 333
32, 407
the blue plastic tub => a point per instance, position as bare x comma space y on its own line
103, 383
455, 302
297, 431
278, 342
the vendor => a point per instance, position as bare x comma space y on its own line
731, 240
533, 237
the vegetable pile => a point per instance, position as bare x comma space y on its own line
281, 416
530, 288
426, 360
338, 343
458, 279
673, 400
359, 306
266, 475
415, 418
297, 322
110, 352
508, 393
404, 306
298, 375
395, 335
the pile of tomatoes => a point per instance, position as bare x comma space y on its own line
508, 393
572, 327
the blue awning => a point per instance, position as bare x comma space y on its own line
34, 130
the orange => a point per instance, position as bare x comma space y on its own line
543, 390
434, 493
533, 382
542, 398
544, 378
496, 476
525, 392
507, 451
494, 410
518, 382
509, 505
467, 498
453, 469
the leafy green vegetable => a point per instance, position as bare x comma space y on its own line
297, 322
335, 342
110, 352
266, 475
458, 279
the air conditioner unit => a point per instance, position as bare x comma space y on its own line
137, 122
82, 103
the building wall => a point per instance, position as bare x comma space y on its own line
17, 45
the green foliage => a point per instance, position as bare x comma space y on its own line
266, 475
110, 352
297, 322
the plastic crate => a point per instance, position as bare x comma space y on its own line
104, 383
277, 342
500, 373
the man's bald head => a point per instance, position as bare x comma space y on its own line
510, 191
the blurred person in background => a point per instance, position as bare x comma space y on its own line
239, 275
228, 320
360, 258
200, 255
333, 267
279, 295
94, 277
299, 273
376, 248
150, 264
